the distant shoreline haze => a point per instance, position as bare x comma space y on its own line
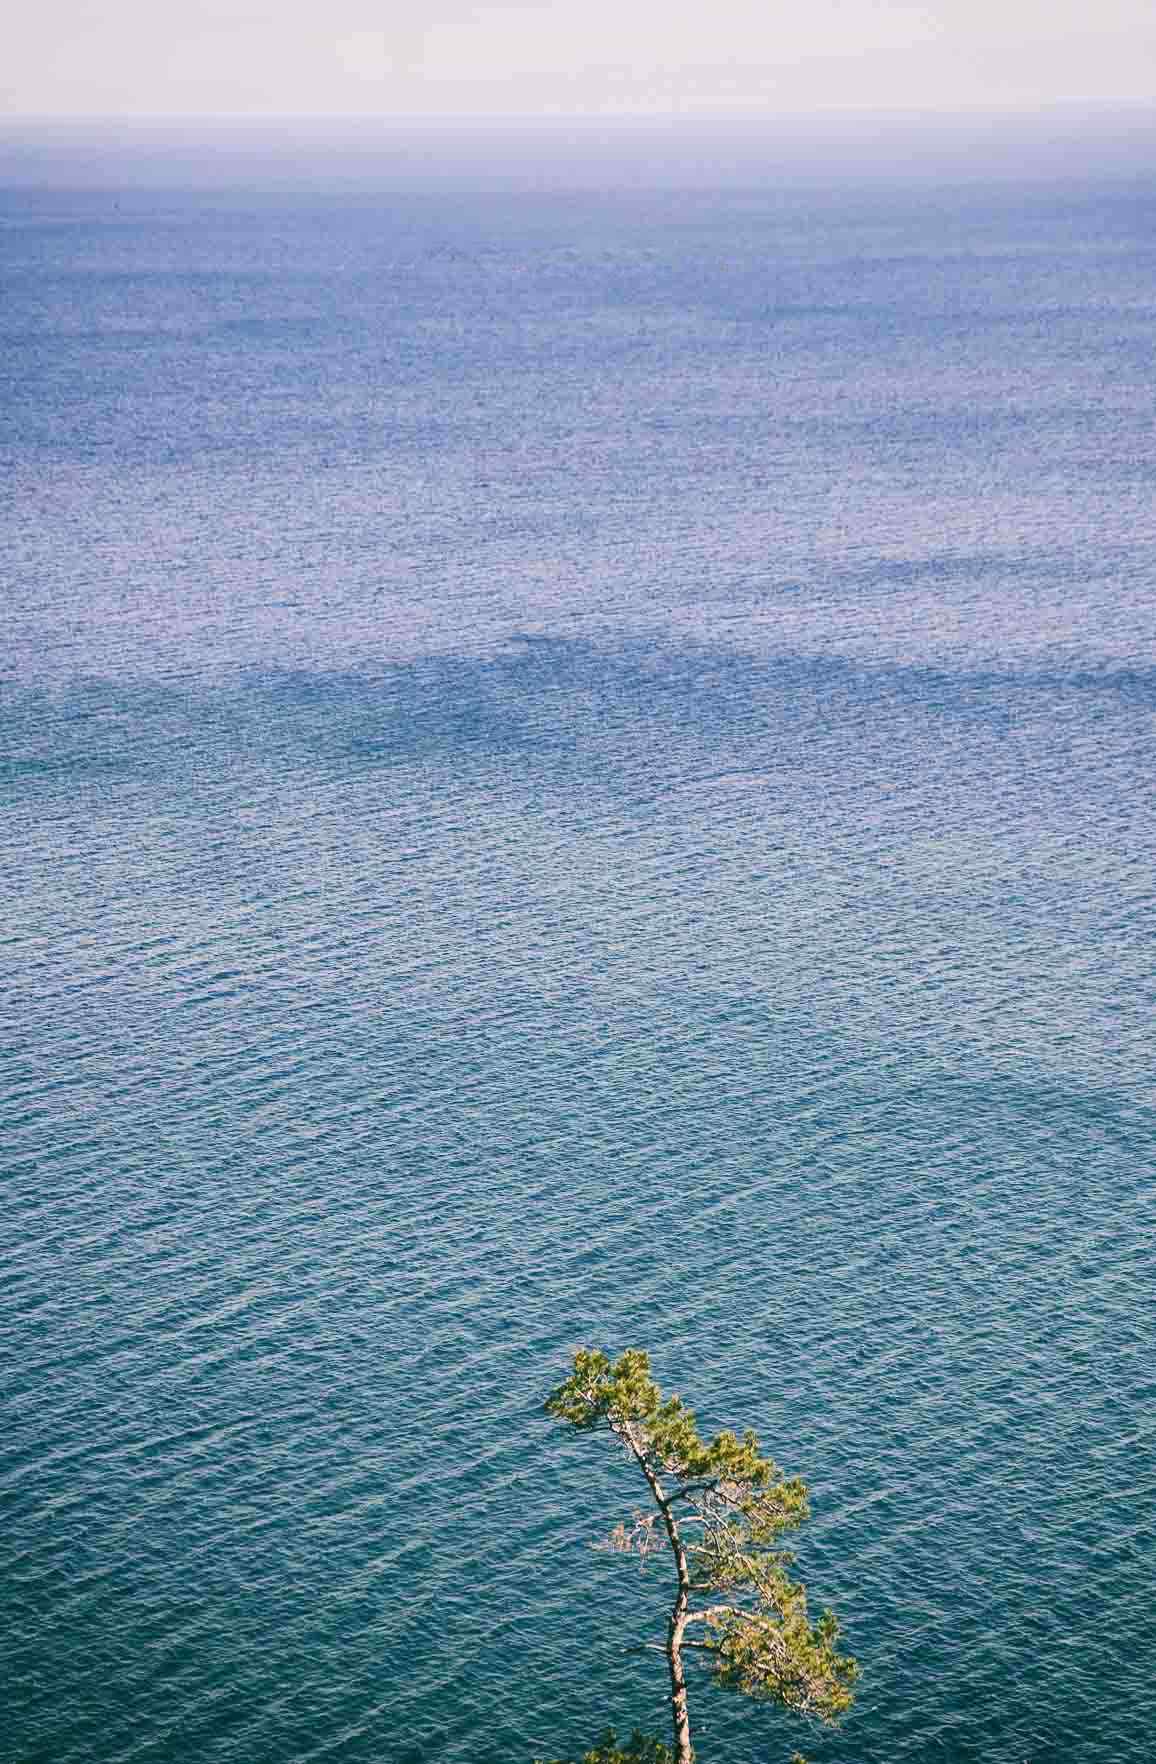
1061, 143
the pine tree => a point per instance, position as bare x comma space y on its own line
720, 1511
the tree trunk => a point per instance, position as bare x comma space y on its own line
679, 1713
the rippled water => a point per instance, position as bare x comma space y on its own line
576, 771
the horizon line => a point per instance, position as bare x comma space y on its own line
736, 113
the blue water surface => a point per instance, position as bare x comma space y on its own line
576, 770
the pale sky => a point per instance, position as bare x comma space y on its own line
406, 58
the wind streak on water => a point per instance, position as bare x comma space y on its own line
602, 900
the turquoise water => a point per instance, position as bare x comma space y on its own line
577, 771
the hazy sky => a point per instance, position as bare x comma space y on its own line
542, 57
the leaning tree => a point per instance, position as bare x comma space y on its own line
719, 1510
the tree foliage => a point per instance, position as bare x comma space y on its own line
721, 1511
638, 1749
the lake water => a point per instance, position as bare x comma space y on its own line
577, 770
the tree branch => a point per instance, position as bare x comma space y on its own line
716, 1611
692, 1488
